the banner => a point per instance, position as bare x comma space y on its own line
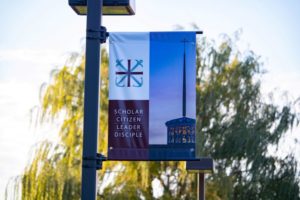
152, 96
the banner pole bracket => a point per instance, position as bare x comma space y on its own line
99, 161
97, 34
94, 162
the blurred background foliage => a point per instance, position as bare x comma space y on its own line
235, 126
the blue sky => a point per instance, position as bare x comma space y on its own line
36, 36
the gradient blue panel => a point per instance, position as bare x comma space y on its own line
166, 91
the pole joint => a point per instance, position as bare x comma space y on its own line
97, 34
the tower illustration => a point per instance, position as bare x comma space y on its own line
182, 130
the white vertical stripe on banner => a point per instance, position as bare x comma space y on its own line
129, 66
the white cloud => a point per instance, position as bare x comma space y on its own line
16, 136
283, 80
38, 56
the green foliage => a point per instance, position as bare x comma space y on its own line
237, 128
234, 126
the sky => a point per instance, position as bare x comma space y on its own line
37, 35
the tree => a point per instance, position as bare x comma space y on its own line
234, 126
237, 127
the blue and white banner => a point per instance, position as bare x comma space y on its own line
152, 96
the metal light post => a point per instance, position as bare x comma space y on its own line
200, 166
95, 35
91, 102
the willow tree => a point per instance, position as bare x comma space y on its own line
234, 126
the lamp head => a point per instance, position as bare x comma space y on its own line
110, 7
